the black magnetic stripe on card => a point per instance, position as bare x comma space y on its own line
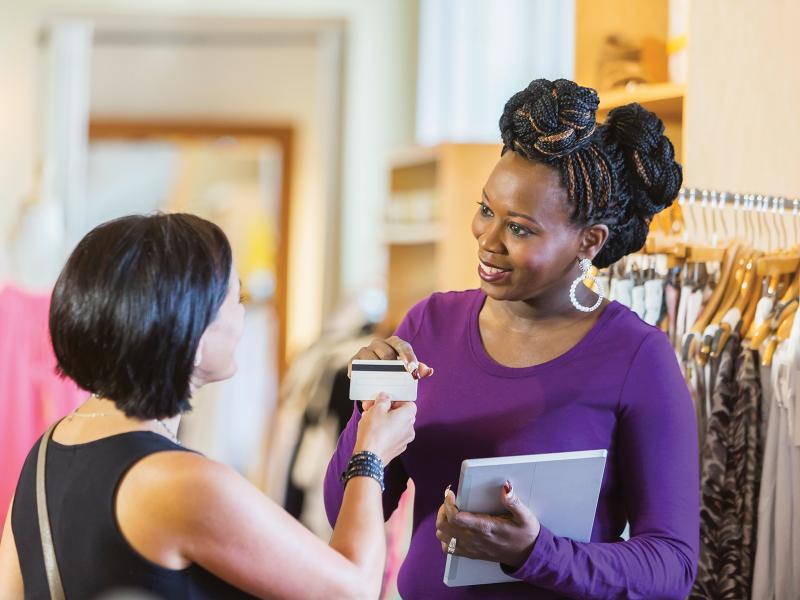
391, 368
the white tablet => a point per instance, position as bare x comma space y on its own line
561, 489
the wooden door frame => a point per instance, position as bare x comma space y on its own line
281, 134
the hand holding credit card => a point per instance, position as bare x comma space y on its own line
368, 378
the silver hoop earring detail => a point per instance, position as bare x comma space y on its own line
586, 266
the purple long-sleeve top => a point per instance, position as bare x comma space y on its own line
619, 389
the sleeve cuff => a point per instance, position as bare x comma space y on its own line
537, 560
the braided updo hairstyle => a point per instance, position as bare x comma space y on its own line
619, 173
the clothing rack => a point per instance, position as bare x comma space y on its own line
707, 221
754, 202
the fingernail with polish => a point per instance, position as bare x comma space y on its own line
447, 489
415, 373
507, 487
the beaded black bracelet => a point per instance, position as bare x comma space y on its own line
364, 464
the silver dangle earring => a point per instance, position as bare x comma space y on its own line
586, 266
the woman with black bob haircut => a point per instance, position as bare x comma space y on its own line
535, 362
147, 310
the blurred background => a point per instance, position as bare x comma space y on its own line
341, 145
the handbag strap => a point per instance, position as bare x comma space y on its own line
48, 549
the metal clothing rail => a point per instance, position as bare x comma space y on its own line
753, 202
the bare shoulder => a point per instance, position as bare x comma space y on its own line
177, 508
169, 501
186, 481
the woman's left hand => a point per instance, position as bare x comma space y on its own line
507, 539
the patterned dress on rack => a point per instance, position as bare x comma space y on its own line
731, 464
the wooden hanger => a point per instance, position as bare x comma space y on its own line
777, 264
781, 333
696, 332
733, 286
785, 328
773, 284
781, 327
743, 296
769, 326
729, 260
749, 316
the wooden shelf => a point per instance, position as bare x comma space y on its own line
664, 99
413, 156
412, 233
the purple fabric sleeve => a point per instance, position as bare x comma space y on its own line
658, 462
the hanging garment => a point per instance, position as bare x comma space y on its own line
306, 393
710, 368
637, 300
695, 381
681, 324
653, 300
604, 282
763, 309
621, 289
729, 479
778, 545
398, 534
31, 394
672, 295
694, 305
764, 564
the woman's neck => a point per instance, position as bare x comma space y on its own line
544, 311
103, 408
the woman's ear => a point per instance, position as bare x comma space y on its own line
592, 240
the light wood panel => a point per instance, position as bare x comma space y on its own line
412, 277
596, 19
463, 171
442, 254
666, 99
742, 131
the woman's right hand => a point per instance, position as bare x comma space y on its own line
386, 428
393, 348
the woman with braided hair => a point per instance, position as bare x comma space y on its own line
534, 362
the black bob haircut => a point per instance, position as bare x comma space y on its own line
131, 304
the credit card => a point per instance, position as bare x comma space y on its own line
368, 378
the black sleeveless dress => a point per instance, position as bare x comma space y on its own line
94, 558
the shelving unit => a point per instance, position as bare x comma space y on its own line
647, 23
402, 234
664, 99
435, 255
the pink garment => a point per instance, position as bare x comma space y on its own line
398, 536
31, 394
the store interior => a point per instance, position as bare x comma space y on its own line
342, 145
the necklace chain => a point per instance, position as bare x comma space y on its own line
92, 415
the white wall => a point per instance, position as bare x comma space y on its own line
741, 131
474, 54
379, 92
253, 83
18, 109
